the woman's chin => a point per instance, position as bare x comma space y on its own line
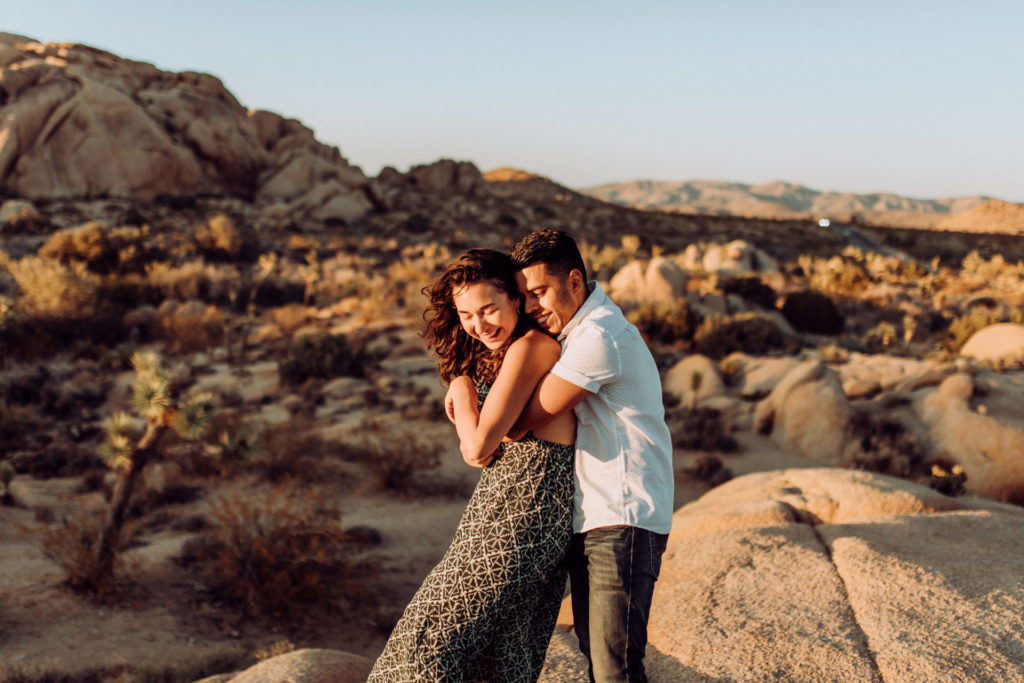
494, 344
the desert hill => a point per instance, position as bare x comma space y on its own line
780, 199
994, 216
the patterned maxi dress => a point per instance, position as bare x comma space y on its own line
486, 612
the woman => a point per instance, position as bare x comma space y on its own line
487, 610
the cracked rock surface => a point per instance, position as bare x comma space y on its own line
825, 574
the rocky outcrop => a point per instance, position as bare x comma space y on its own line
693, 379
993, 215
660, 280
990, 448
807, 413
80, 123
1000, 342
303, 666
824, 574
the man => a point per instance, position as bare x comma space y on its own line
624, 477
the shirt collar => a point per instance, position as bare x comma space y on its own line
595, 298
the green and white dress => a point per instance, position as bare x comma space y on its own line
486, 612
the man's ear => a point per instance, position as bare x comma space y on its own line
576, 282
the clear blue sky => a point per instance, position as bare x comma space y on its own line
922, 98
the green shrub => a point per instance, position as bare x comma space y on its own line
751, 333
323, 357
750, 288
811, 311
665, 322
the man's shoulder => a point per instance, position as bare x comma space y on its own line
604, 320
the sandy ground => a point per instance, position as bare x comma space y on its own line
158, 617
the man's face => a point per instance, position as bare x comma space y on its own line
550, 299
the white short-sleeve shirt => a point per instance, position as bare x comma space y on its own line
623, 447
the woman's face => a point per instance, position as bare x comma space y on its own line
486, 313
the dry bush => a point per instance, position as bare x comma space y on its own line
191, 326
396, 454
810, 311
703, 429
74, 545
322, 356
845, 274
964, 327
274, 558
52, 290
125, 249
709, 470
221, 237
291, 450
751, 333
666, 322
750, 288
879, 443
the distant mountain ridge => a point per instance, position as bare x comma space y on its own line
779, 199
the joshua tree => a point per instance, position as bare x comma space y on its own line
152, 401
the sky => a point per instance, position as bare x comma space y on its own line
919, 98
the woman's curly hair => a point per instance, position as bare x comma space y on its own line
458, 353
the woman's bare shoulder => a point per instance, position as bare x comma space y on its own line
537, 340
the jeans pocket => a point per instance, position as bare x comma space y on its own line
657, 546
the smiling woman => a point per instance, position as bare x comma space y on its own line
487, 610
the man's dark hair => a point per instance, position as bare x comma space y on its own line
555, 249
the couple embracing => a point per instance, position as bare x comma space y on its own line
557, 398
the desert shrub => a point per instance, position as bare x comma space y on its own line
13, 427
396, 454
749, 288
810, 311
665, 322
947, 479
87, 244
702, 429
275, 557
751, 333
50, 289
880, 338
878, 443
191, 326
322, 356
291, 450
709, 470
964, 327
221, 237
845, 274
74, 545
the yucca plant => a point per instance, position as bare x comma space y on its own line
128, 453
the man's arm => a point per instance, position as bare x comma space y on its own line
553, 396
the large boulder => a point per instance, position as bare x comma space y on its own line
1000, 342
83, 123
825, 574
990, 448
303, 666
661, 280
807, 413
680, 380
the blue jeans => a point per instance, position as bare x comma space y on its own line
612, 571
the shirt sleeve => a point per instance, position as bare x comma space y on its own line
589, 360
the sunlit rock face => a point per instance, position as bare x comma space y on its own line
78, 122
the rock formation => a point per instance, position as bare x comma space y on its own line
79, 122
823, 574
